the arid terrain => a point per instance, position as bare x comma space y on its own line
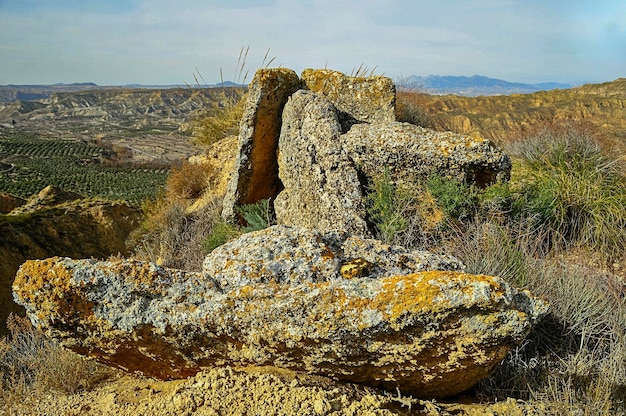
572, 363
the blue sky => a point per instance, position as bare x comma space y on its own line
118, 42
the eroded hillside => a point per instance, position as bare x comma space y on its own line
500, 118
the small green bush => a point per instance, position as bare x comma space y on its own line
458, 200
221, 233
575, 189
388, 205
257, 216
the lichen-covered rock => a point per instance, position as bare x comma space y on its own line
321, 185
358, 99
412, 152
295, 255
431, 334
255, 175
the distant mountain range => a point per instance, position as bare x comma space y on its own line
473, 86
432, 84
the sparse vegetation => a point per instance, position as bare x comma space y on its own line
257, 216
29, 360
220, 121
556, 229
410, 110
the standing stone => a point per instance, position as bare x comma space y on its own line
359, 100
322, 189
255, 176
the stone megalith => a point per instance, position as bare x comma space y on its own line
255, 176
358, 99
430, 334
411, 152
321, 185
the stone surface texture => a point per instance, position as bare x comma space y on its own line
321, 185
411, 152
431, 334
256, 170
358, 99
296, 255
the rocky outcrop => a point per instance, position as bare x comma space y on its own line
410, 152
335, 140
78, 229
431, 334
321, 185
255, 176
357, 99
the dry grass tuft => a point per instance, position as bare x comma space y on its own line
31, 362
188, 181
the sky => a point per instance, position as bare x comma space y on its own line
165, 42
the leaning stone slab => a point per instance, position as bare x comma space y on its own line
321, 185
412, 152
358, 99
431, 334
255, 176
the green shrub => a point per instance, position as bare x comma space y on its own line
221, 233
575, 189
458, 200
388, 205
257, 216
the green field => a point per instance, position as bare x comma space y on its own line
30, 163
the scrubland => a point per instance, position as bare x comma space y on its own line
556, 228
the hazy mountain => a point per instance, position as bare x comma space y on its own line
473, 86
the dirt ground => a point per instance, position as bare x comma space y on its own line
253, 391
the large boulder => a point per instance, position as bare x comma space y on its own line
431, 333
410, 152
321, 185
255, 175
358, 99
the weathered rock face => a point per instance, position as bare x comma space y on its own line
431, 334
295, 255
255, 176
359, 100
413, 152
322, 188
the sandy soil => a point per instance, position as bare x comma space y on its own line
253, 391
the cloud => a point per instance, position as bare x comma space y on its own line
162, 41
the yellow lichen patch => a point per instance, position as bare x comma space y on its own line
355, 268
46, 283
411, 293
